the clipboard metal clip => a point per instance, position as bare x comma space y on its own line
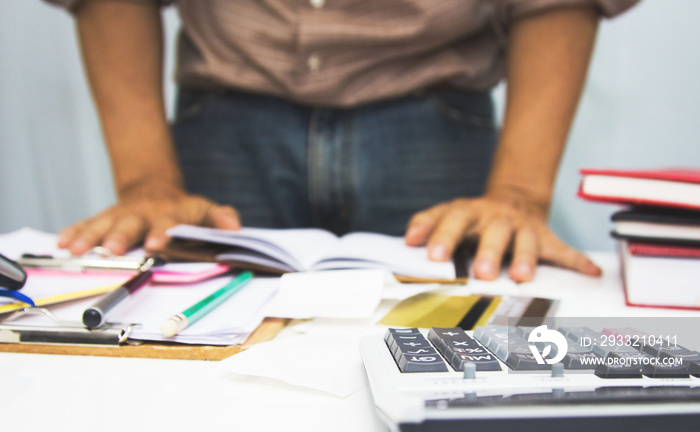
62, 332
97, 258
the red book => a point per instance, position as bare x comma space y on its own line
672, 187
663, 250
658, 275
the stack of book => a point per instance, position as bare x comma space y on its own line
658, 232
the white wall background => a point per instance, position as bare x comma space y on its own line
641, 108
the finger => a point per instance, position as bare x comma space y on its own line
525, 254
91, 233
126, 232
492, 245
422, 224
223, 217
449, 232
157, 237
558, 252
68, 234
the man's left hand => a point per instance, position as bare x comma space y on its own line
501, 222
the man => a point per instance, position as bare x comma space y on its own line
345, 114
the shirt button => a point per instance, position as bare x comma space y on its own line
314, 62
317, 4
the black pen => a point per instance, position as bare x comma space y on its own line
94, 316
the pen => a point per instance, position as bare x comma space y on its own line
179, 322
95, 315
17, 296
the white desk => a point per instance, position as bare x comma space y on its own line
65, 393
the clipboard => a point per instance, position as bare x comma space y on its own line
73, 338
103, 344
61, 332
97, 258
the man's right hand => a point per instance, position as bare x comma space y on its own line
145, 214
122, 47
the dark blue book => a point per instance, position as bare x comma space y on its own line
658, 225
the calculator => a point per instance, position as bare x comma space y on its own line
521, 379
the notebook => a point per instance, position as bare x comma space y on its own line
294, 250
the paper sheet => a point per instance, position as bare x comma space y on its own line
330, 294
27, 240
399, 291
330, 364
228, 324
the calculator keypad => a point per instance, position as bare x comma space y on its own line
447, 349
458, 348
413, 352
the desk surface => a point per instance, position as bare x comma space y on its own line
56, 393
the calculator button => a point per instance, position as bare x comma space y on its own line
678, 352
489, 336
618, 371
605, 350
479, 333
405, 346
624, 333
405, 342
601, 344
504, 351
654, 350
436, 333
391, 335
694, 368
441, 338
409, 363
457, 348
502, 347
524, 331
420, 351
580, 360
576, 334
406, 331
635, 357
524, 362
665, 371
483, 362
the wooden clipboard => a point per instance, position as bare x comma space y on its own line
266, 331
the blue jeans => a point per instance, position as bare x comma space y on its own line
368, 168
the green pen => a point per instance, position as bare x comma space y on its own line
181, 321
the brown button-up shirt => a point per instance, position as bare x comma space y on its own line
347, 52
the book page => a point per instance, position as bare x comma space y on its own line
298, 248
371, 250
307, 245
247, 257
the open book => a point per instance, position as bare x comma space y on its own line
309, 249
